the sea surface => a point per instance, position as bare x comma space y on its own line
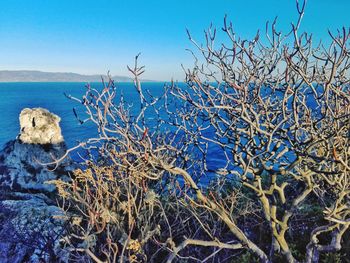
16, 96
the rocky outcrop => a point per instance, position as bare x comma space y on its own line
22, 169
30, 222
39, 126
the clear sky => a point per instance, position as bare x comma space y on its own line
92, 37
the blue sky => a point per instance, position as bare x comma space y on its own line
91, 37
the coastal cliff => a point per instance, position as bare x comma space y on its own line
29, 216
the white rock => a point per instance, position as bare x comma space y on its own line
39, 126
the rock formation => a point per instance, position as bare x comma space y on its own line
29, 226
40, 141
39, 126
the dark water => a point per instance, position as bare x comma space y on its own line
16, 96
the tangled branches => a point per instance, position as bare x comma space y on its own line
275, 111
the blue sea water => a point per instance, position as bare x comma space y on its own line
16, 96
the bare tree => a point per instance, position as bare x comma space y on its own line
274, 110
278, 111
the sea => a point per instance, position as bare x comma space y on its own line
16, 96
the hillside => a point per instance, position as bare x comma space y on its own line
40, 76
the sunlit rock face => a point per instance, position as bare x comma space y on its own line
39, 126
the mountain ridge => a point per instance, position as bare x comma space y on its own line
42, 76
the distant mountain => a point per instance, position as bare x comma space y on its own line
40, 76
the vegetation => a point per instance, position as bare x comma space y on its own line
275, 110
